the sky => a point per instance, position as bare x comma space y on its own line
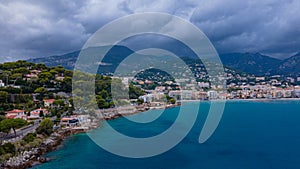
35, 28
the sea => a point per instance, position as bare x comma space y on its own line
250, 135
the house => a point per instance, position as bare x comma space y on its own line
30, 77
59, 78
147, 98
186, 94
69, 121
35, 114
48, 102
15, 114
212, 95
175, 94
160, 88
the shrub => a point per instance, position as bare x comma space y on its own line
7, 148
46, 127
29, 137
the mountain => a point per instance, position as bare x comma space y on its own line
114, 56
290, 65
67, 60
252, 63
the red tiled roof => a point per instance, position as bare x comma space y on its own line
11, 116
49, 100
14, 111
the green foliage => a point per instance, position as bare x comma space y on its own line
21, 70
40, 90
44, 77
29, 137
172, 101
8, 124
59, 103
140, 101
135, 92
3, 96
7, 148
101, 102
46, 127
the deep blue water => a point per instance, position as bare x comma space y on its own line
251, 135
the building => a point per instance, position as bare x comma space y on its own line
260, 79
35, 114
15, 114
48, 102
160, 88
147, 98
69, 121
1, 83
186, 94
175, 94
212, 95
158, 96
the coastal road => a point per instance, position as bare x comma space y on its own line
21, 132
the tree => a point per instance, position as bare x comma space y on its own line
140, 101
8, 124
59, 103
101, 102
7, 148
172, 101
3, 97
42, 91
44, 77
46, 127
41, 114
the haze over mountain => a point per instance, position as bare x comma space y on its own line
252, 63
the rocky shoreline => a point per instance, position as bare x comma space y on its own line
27, 159
33, 157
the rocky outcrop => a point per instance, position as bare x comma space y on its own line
34, 156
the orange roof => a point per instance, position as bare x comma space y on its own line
49, 100
66, 119
40, 109
14, 111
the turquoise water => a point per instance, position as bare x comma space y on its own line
251, 135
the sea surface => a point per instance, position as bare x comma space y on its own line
251, 135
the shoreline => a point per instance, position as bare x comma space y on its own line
67, 133
232, 100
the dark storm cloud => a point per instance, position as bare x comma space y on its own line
35, 28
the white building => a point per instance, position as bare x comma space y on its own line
186, 94
14, 114
147, 98
1, 83
212, 95
35, 114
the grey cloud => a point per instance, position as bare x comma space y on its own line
264, 26
35, 28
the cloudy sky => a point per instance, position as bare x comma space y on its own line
35, 28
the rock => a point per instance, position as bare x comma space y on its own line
42, 160
27, 158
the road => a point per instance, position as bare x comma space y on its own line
25, 130
20, 133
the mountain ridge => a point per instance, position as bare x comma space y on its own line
251, 63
